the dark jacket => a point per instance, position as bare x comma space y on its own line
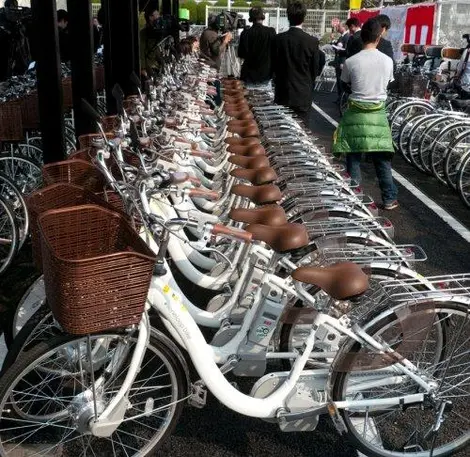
340, 55
385, 46
255, 48
64, 45
211, 48
295, 65
354, 45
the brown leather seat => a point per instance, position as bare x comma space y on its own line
244, 114
231, 99
340, 281
234, 92
242, 141
267, 215
245, 132
257, 176
242, 123
252, 150
283, 238
250, 162
260, 195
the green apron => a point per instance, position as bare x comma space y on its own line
363, 128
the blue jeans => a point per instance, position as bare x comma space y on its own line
383, 170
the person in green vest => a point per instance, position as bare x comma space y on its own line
364, 127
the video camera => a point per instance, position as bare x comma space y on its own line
229, 21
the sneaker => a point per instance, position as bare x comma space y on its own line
391, 205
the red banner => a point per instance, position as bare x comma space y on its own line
364, 15
419, 24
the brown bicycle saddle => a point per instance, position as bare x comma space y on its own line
240, 113
241, 123
256, 176
340, 281
245, 132
259, 195
251, 150
266, 215
249, 162
283, 238
242, 141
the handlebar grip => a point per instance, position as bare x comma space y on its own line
203, 154
220, 229
195, 181
206, 194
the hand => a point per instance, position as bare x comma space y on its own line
144, 73
228, 38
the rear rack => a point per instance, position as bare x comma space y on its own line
323, 227
440, 287
364, 255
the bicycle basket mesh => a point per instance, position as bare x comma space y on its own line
57, 196
97, 270
78, 172
11, 126
408, 85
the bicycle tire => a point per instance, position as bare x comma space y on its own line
463, 180
9, 237
342, 368
24, 172
31, 362
439, 147
404, 133
13, 196
453, 157
416, 134
432, 131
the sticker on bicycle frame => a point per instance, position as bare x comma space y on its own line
261, 331
166, 288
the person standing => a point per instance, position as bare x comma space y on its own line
255, 47
364, 127
151, 59
64, 40
354, 43
385, 45
340, 56
295, 63
211, 45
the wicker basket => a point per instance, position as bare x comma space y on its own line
30, 111
57, 196
78, 172
97, 270
11, 126
408, 85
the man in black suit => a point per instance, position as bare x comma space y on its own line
354, 45
295, 63
340, 56
355, 42
384, 45
255, 48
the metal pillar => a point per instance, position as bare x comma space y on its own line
119, 46
49, 79
83, 70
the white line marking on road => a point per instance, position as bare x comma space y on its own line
432, 205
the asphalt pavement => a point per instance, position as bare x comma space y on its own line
218, 432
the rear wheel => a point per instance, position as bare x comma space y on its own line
434, 336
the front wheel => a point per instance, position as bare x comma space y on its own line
415, 331
48, 394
